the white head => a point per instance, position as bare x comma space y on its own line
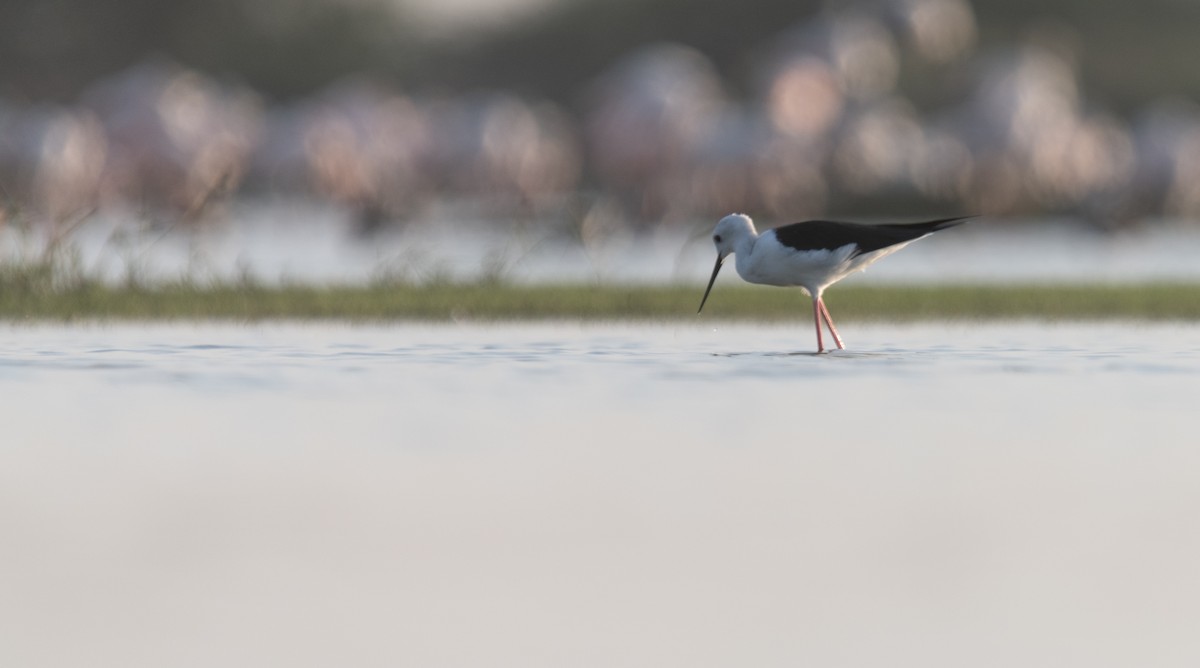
731, 232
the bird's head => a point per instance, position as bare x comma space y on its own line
728, 234
730, 230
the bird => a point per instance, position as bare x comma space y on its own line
813, 254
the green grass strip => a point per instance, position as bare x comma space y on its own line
81, 300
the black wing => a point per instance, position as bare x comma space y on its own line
828, 235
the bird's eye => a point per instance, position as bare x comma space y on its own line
717, 238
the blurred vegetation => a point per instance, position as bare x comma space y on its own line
36, 292
51, 49
600, 114
1131, 52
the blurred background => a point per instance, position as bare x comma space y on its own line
547, 494
584, 119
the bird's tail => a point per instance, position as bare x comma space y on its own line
931, 225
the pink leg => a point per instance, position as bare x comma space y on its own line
829, 321
817, 320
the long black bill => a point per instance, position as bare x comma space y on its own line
716, 270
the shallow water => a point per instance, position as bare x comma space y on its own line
565, 494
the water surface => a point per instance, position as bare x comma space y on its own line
566, 494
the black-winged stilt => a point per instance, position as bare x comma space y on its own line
812, 255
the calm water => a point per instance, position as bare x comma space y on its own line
599, 495
292, 242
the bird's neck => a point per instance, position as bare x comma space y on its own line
742, 250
